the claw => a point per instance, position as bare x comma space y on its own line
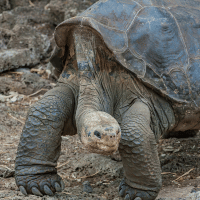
127, 197
143, 195
23, 190
48, 191
57, 187
122, 189
36, 192
121, 192
62, 184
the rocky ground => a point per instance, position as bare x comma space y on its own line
26, 43
26, 29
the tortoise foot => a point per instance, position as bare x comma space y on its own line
130, 193
39, 185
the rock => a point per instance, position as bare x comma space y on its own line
23, 70
5, 36
16, 3
168, 149
99, 183
25, 36
194, 190
137, 198
53, 72
14, 58
191, 196
32, 15
27, 15
87, 187
162, 155
27, 85
34, 82
6, 172
23, 48
4, 5
76, 7
166, 199
7, 20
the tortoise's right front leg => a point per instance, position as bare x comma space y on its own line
40, 143
139, 155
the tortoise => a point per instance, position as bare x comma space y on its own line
130, 72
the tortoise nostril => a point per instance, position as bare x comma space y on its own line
89, 134
112, 136
97, 134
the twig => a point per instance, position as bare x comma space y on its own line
31, 4
86, 176
35, 70
9, 197
66, 193
39, 71
5, 167
163, 173
37, 92
184, 174
19, 73
46, 7
9, 144
61, 165
16, 118
23, 118
7, 97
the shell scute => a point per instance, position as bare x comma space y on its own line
115, 14
155, 40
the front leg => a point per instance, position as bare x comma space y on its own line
139, 155
40, 143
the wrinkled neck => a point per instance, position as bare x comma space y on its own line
95, 89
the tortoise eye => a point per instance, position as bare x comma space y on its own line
97, 134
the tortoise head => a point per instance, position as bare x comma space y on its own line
100, 133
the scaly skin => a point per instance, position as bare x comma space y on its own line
139, 155
40, 142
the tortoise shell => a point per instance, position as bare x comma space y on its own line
157, 40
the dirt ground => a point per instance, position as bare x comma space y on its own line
180, 158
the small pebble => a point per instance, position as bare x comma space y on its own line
87, 187
195, 190
138, 198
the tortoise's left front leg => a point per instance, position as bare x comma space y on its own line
139, 155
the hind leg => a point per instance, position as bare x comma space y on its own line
139, 155
40, 143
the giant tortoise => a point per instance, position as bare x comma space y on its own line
130, 75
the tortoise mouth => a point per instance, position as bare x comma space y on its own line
101, 148
102, 144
